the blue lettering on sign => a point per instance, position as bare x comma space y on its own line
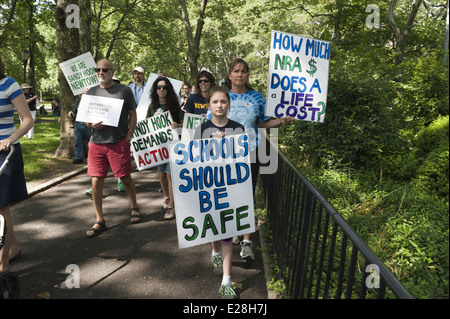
287, 42
212, 149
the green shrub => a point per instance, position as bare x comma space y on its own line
432, 157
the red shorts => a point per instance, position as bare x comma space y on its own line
116, 155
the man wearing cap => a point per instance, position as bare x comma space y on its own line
138, 87
31, 100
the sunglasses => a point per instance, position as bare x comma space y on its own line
161, 87
203, 81
104, 70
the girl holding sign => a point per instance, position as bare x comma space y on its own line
218, 100
164, 99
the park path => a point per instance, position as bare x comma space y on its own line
126, 261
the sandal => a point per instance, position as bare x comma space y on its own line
135, 216
93, 232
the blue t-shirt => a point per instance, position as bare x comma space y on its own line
247, 109
196, 104
137, 91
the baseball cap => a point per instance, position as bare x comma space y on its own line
138, 69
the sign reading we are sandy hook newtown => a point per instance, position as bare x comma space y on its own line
298, 77
212, 189
80, 72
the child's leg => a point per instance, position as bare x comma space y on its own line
227, 255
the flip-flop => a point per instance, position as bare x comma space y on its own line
135, 218
93, 232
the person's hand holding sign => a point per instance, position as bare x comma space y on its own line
98, 126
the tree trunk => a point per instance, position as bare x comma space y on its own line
193, 41
85, 31
127, 9
5, 24
31, 48
68, 47
401, 37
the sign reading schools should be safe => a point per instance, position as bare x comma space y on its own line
151, 139
80, 72
94, 109
212, 186
298, 77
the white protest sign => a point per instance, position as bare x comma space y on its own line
80, 73
298, 77
145, 100
151, 139
190, 123
94, 109
212, 186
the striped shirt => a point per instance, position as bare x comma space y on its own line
9, 90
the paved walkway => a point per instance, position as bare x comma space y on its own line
126, 261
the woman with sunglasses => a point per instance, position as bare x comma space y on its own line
196, 103
164, 98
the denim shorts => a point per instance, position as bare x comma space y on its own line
164, 168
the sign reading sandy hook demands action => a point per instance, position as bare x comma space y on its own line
151, 140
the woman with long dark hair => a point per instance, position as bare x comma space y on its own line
164, 98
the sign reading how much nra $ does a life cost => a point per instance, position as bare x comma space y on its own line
298, 77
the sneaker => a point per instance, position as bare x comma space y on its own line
216, 261
88, 193
120, 186
77, 161
227, 292
166, 203
246, 250
170, 213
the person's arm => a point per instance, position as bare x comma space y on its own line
131, 123
276, 122
20, 104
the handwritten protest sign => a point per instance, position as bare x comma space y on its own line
190, 123
212, 189
298, 77
94, 109
145, 100
151, 139
80, 73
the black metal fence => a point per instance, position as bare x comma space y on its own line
317, 253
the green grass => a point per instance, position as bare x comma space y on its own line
38, 153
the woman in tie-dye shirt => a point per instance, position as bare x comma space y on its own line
248, 108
